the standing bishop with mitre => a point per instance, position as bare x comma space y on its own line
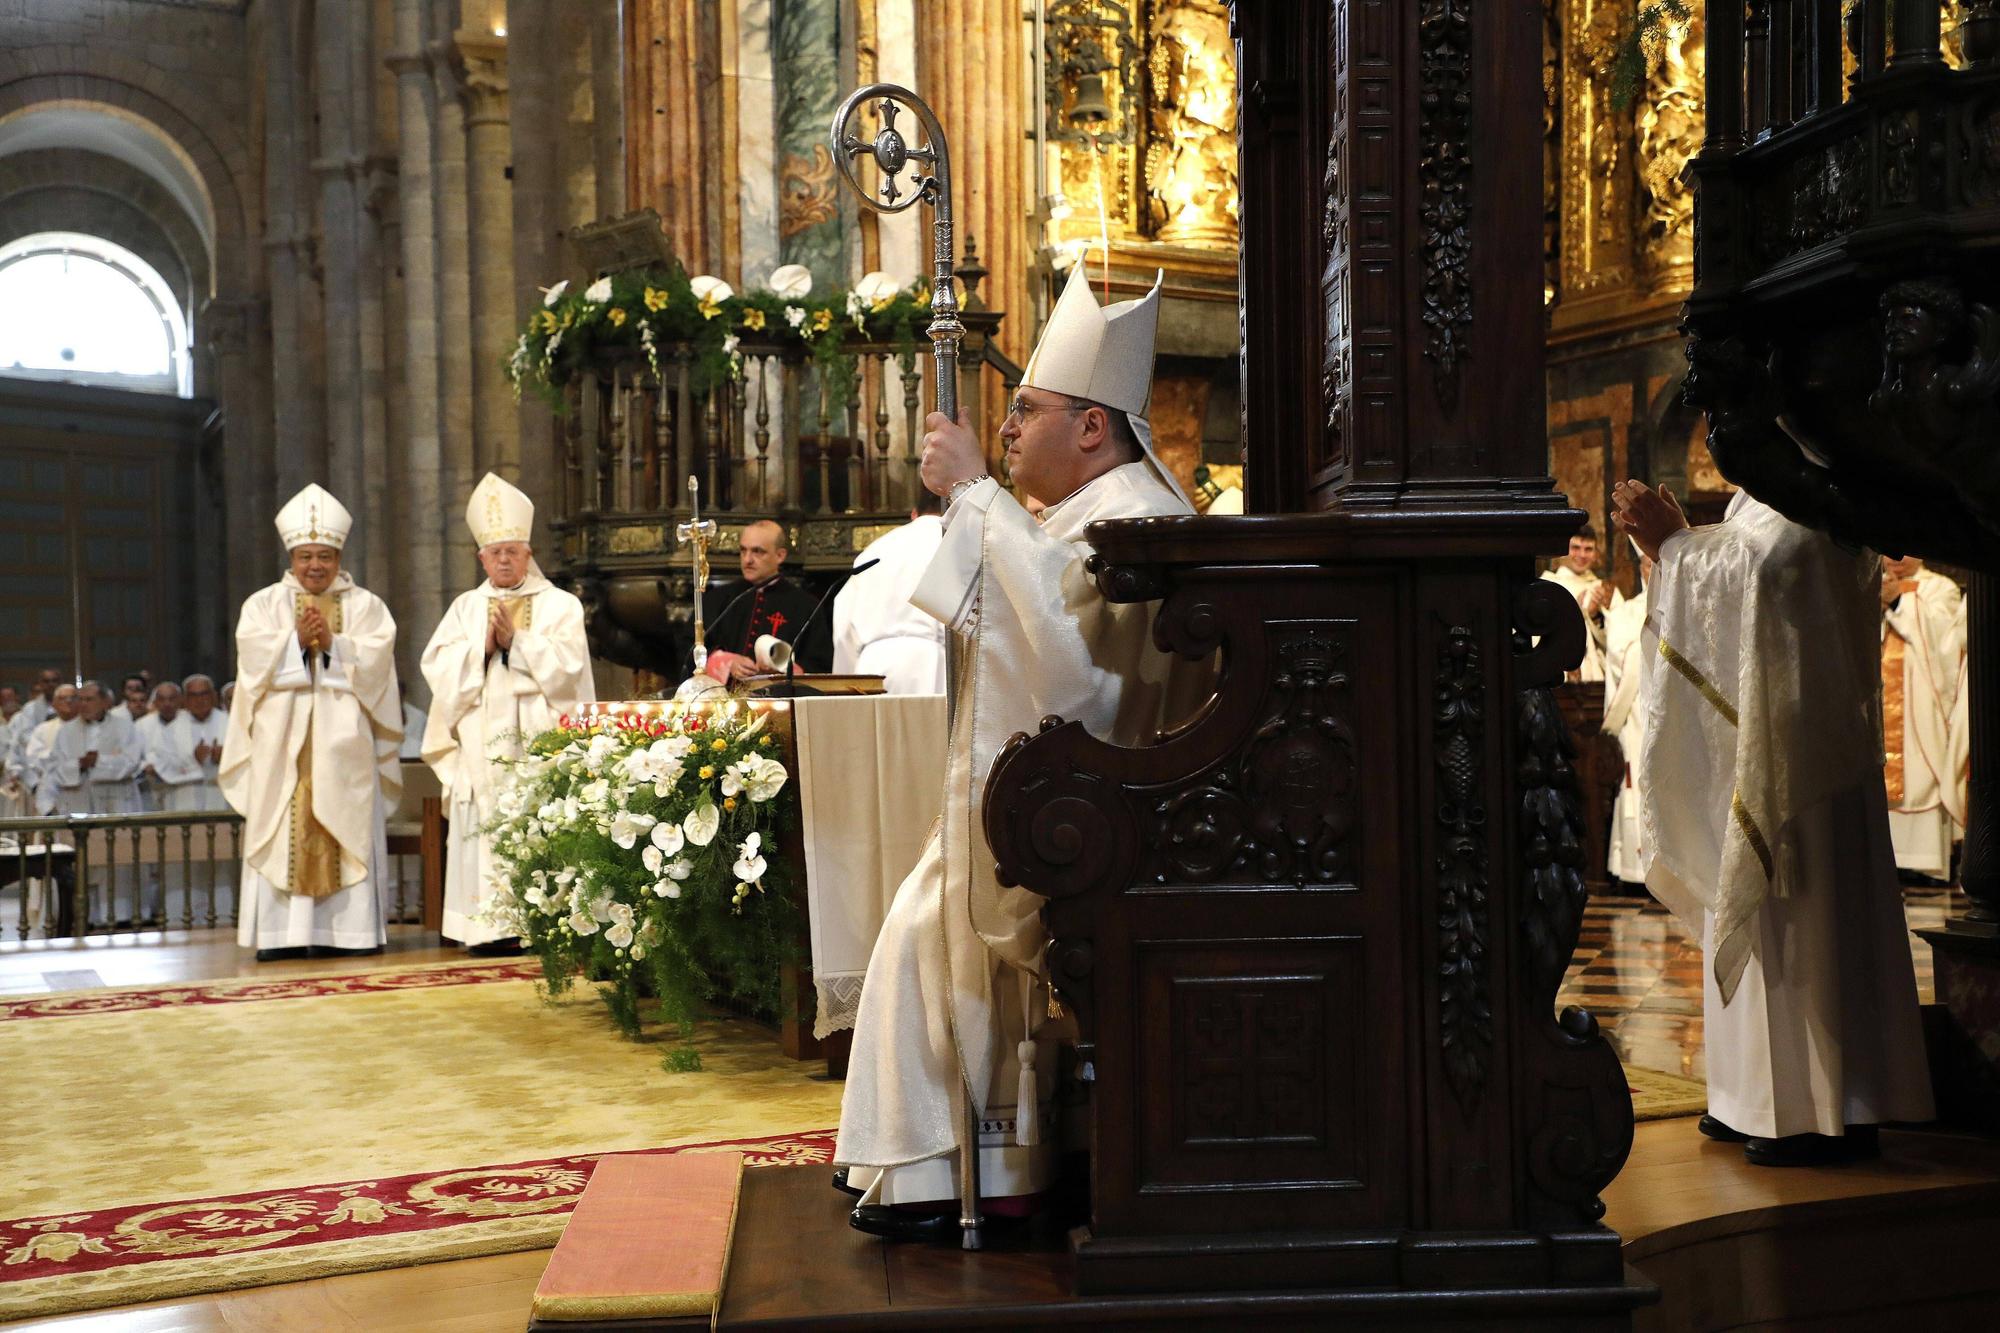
310, 760
954, 997
508, 660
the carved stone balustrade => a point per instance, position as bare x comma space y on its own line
780, 441
1312, 937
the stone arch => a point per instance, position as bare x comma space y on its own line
205, 131
67, 189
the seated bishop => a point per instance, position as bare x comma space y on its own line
764, 602
954, 1003
507, 662
310, 758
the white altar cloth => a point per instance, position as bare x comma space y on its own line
871, 784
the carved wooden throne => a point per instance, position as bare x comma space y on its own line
1313, 937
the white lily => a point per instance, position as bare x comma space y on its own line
711, 289
551, 295
668, 837
749, 865
599, 291
652, 858
627, 826
794, 282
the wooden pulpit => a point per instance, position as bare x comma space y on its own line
1313, 936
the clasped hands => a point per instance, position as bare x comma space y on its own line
315, 636
499, 629
1649, 516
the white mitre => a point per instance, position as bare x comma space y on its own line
499, 512
314, 518
1103, 354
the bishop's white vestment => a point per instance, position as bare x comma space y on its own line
876, 629
1766, 824
950, 999
1923, 679
1624, 651
1580, 586
311, 764
484, 709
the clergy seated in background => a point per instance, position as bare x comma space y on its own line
164, 705
876, 630
1624, 657
92, 768
1923, 690
415, 723
188, 756
1766, 823
31, 756
1577, 573
738, 613
310, 758
507, 662
954, 1003
137, 691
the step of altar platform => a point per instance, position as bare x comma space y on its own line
1731, 1245
647, 1245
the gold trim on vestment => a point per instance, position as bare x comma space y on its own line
520, 610
1752, 834
1893, 662
312, 860
1693, 675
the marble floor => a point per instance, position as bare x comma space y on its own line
1640, 973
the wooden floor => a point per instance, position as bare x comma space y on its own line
1678, 1194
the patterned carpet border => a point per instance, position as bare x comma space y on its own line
71, 1004
121, 1256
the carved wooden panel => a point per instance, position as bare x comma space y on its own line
1284, 807
1261, 1048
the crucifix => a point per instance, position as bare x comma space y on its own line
697, 533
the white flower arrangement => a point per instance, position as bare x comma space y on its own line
597, 293
638, 850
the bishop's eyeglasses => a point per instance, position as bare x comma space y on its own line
1021, 409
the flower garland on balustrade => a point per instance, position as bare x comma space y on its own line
641, 852
656, 306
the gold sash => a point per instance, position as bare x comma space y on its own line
313, 857
1893, 649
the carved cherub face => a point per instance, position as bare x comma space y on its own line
1910, 329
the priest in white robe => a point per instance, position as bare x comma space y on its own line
506, 663
1766, 823
1923, 675
1595, 597
953, 1003
877, 631
1624, 655
163, 706
187, 759
31, 756
310, 757
93, 758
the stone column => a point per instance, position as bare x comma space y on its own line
453, 297
291, 263
417, 475
336, 168
495, 428
376, 265
237, 336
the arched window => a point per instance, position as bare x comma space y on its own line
80, 309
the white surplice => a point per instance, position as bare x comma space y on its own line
876, 631
1580, 586
950, 1001
344, 701
1928, 625
1766, 823
1624, 647
189, 784
484, 709
106, 788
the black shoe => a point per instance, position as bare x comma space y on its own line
840, 1183
507, 948
1720, 1132
279, 955
896, 1224
329, 951
1859, 1143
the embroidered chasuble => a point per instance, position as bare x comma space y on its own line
1924, 717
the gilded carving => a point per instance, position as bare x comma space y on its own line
1191, 179
808, 196
1668, 126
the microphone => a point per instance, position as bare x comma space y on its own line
792, 667
729, 606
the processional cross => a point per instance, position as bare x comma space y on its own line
893, 155
697, 533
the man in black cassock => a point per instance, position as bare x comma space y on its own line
764, 602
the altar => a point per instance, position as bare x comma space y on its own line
869, 772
